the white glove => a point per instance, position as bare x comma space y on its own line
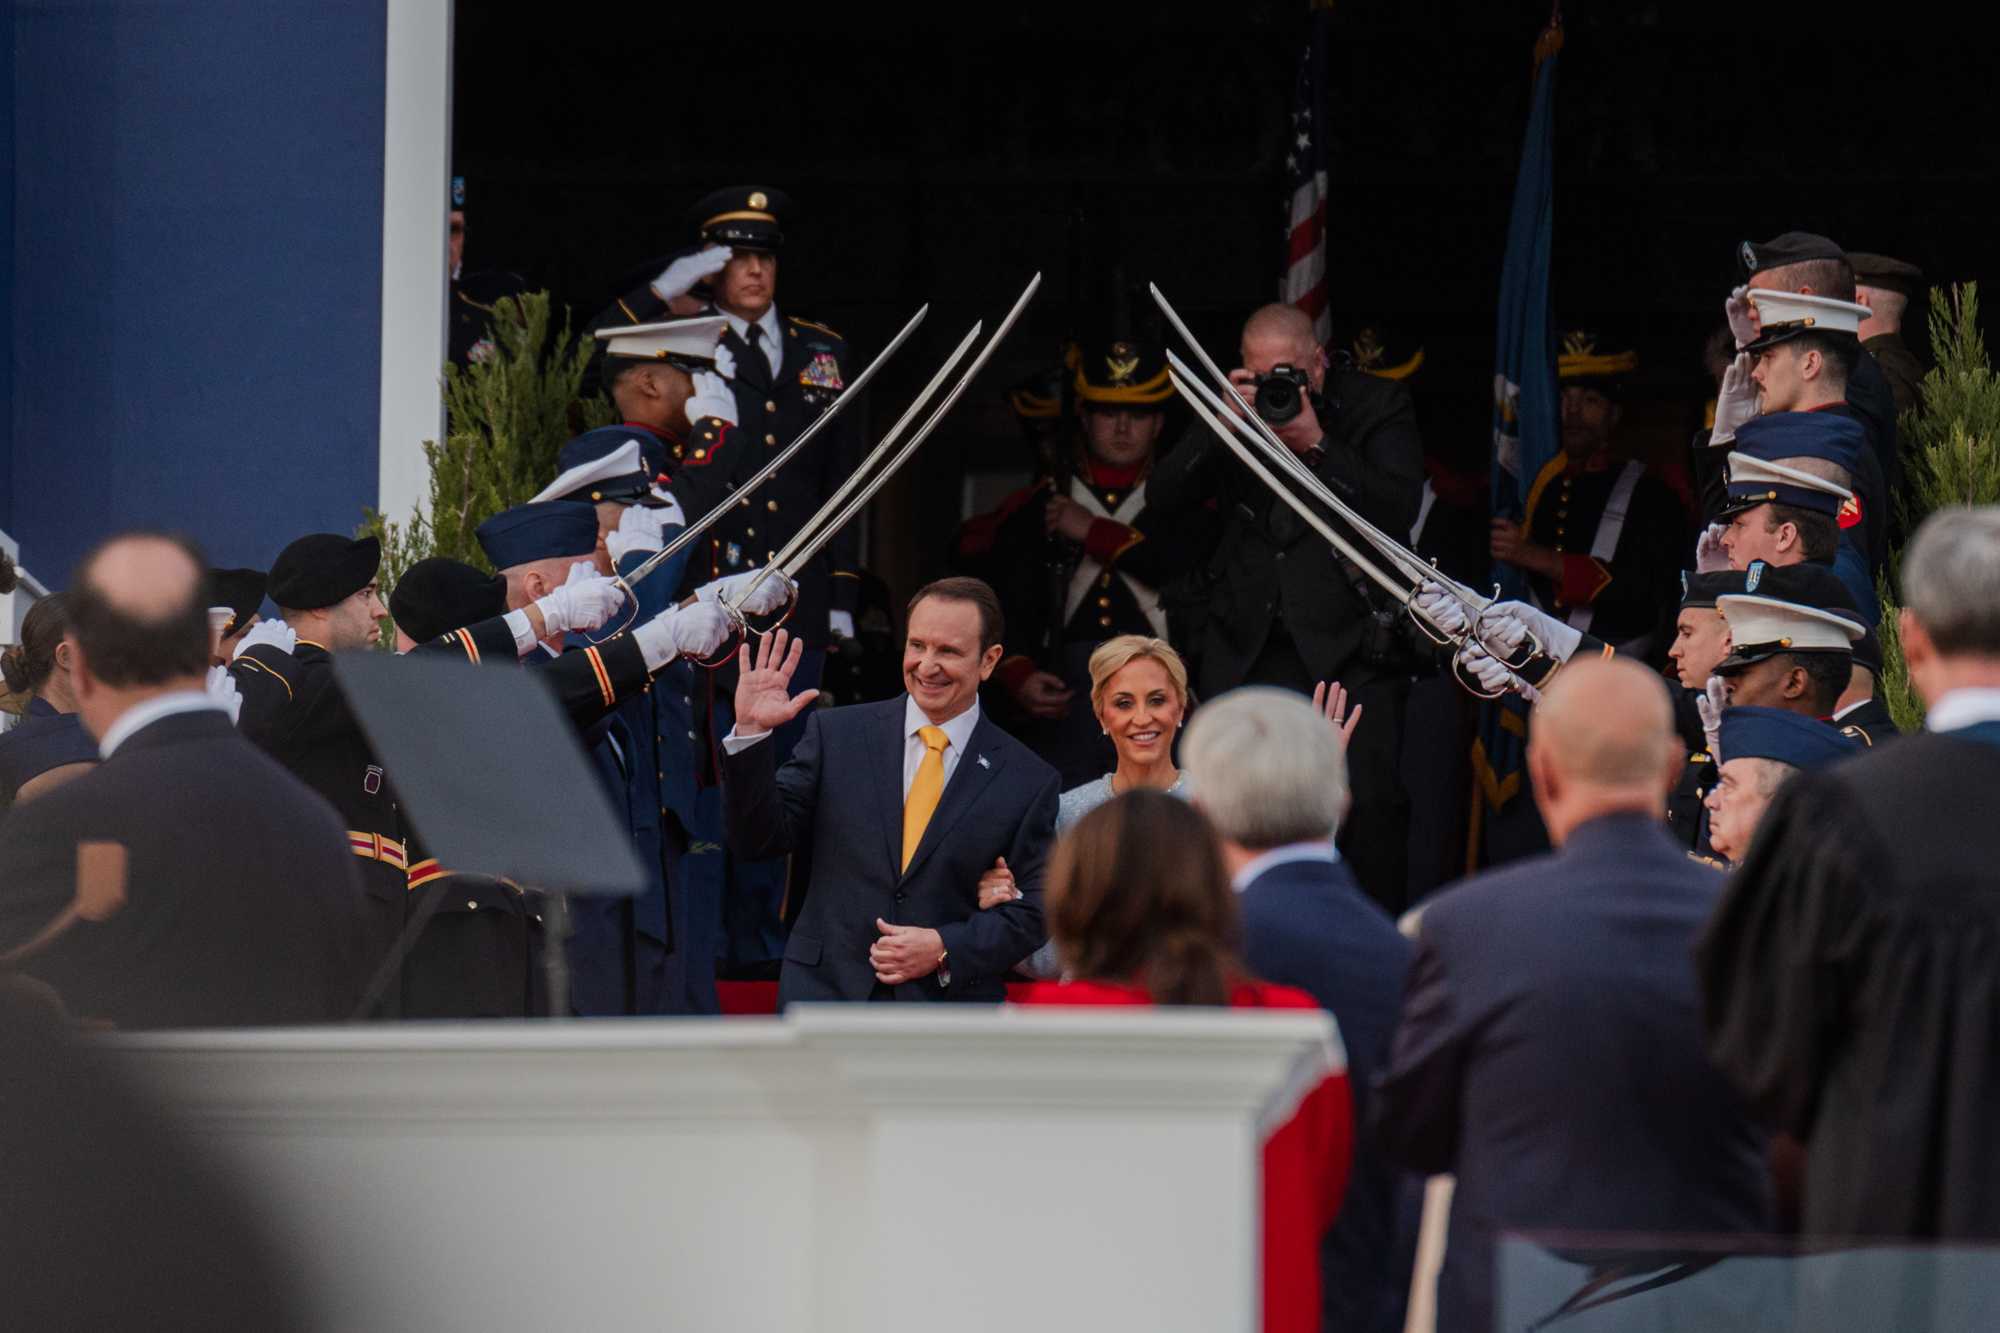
1735, 403
1558, 640
1742, 316
840, 624
269, 634
1440, 608
1713, 698
642, 528
712, 398
725, 361
1493, 675
585, 601
679, 277
222, 689
1709, 557
697, 631
771, 594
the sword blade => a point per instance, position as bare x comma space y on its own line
692, 533
796, 560
1401, 590
855, 478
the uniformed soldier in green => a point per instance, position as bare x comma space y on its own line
1601, 539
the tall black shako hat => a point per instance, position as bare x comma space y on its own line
747, 217
1589, 360
322, 569
437, 595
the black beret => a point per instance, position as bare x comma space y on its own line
1868, 651
323, 568
437, 595
1793, 247
1894, 275
1703, 589
241, 590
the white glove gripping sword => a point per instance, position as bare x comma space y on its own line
692, 533
859, 488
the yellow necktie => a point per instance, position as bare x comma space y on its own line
928, 786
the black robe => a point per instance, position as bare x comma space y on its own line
1851, 983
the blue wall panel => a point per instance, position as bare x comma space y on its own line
197, 271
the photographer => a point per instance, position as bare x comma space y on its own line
1274, 604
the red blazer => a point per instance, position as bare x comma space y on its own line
1306, 1152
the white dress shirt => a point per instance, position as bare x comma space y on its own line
151, 711
1962, 708
1318, 849
771, 343
957, 735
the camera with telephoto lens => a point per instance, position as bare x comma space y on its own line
1281, 394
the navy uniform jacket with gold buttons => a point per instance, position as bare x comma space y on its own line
771, 411
1629, 593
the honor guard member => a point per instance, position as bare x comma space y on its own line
1893, 291
1792, 633
1276, 605
324, 588
1599, 538
663, 380
1078, 557
648, 757
1761, 749
1701, 641
473, 295
784, 372
1808, 265
1788, 512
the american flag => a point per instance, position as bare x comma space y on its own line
1303, 283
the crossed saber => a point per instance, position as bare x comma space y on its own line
1248, 435
854, 493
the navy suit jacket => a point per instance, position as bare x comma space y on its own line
841, 792
1551, 1053
1308, 924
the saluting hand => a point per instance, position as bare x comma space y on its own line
764, 701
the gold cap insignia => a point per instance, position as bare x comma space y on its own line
1122, 361
1579, 343
757, 199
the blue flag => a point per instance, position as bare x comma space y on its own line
1526, 420
1526, 410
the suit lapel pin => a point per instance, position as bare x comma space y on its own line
983, 763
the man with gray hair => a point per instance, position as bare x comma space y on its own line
1272, 777
1550, 1049
1849, 973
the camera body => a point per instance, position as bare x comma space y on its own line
1281, 393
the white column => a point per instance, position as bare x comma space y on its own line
416, 166
842, 1168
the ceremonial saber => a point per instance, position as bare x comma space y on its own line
692, 533
1265, 436
1402, 592
854, 495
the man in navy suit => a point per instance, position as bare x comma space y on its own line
1272, 777
884, 794
1551, 1051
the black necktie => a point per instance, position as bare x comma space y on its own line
752, 365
